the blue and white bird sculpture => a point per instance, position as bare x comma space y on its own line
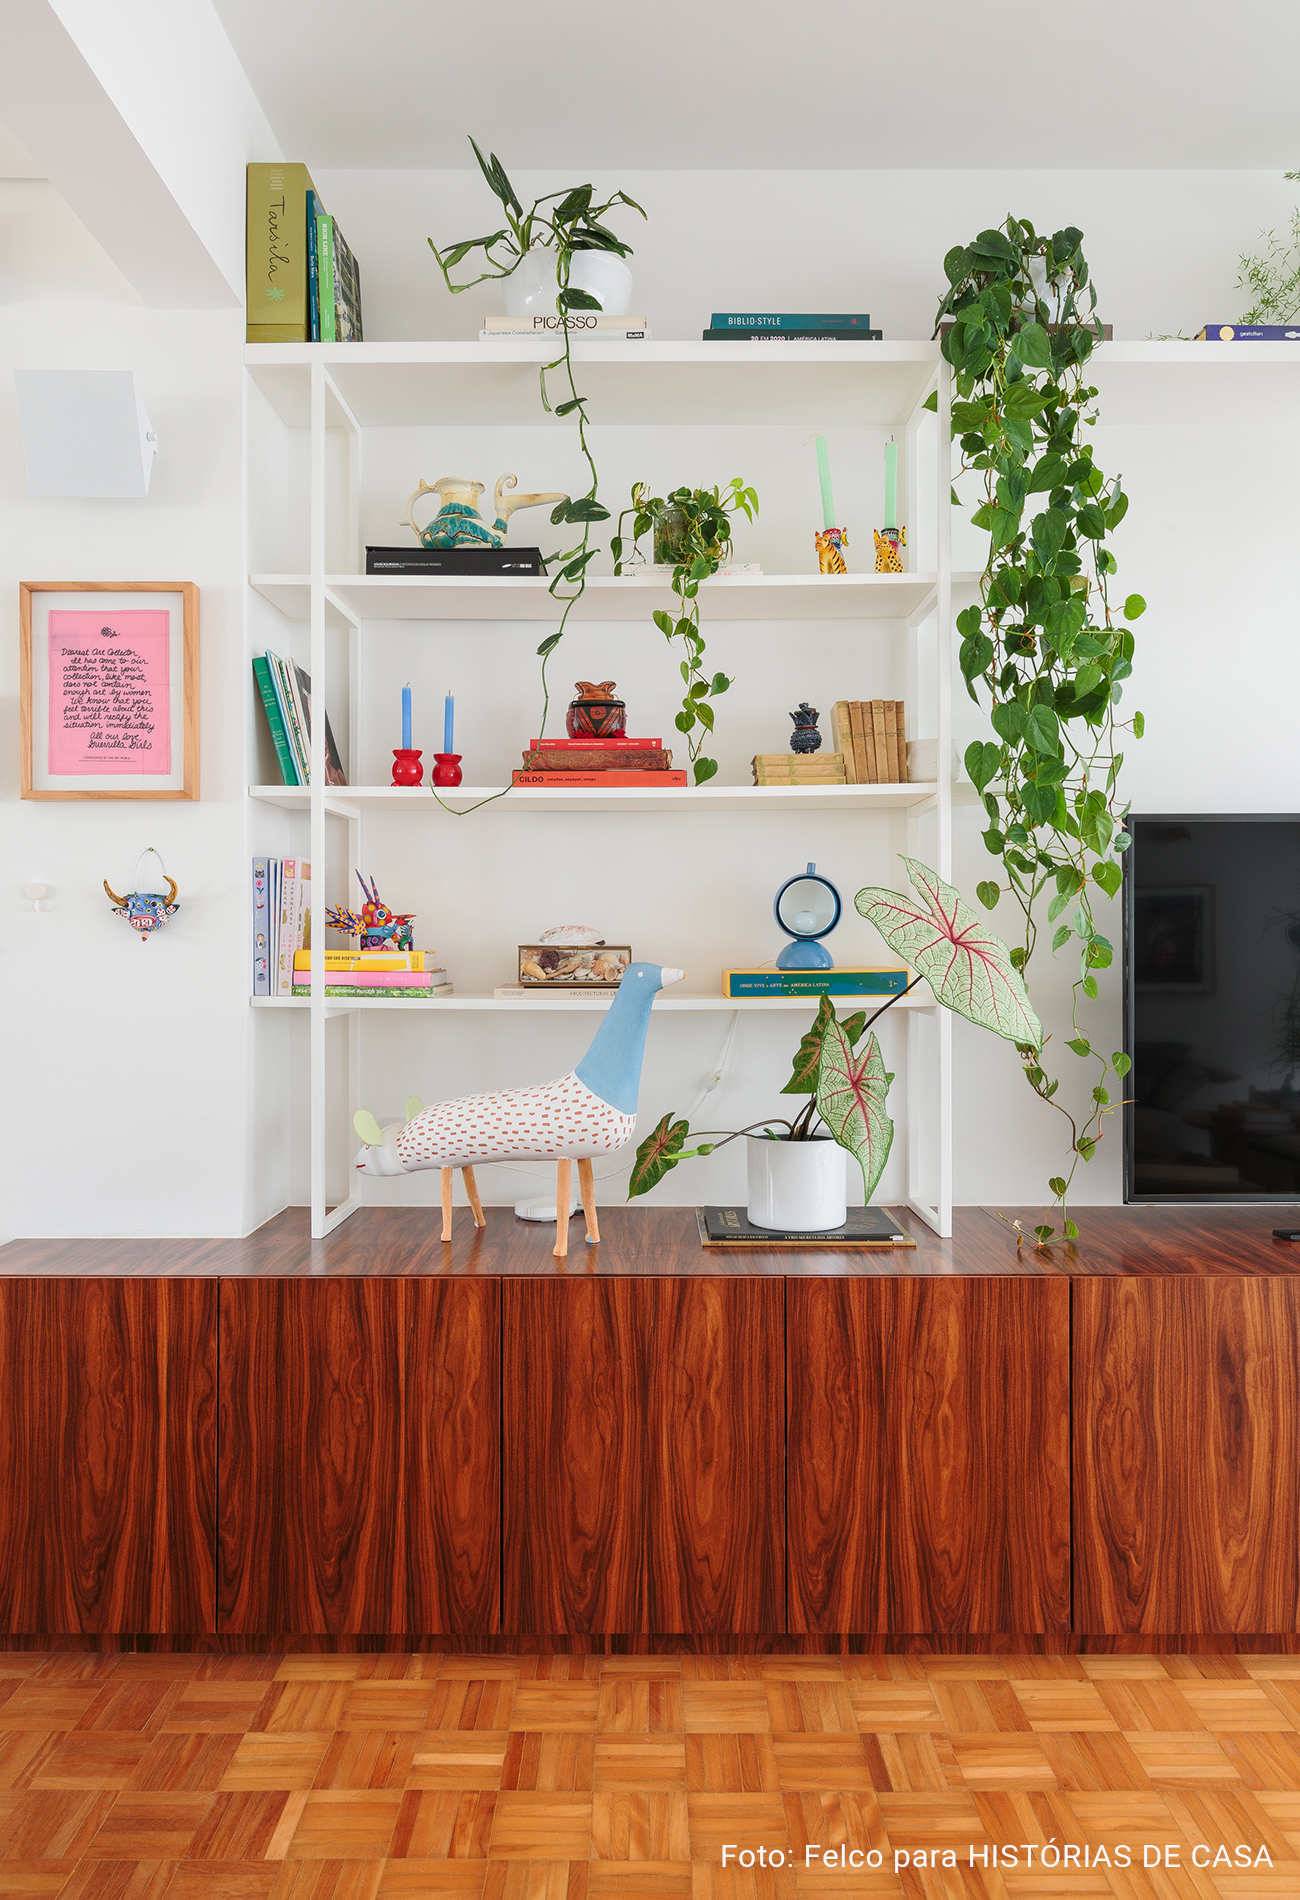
590, 1111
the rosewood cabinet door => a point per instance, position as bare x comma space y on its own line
1186, 1456
928, 1456
360, 1457
108, 1457
644, 1462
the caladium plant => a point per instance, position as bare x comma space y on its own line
970, 970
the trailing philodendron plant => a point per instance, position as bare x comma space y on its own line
564, 222
1044, 647
970, 971
693, 527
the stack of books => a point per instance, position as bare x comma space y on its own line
286, 700
304, 284
598, 762
756, 326
799, 768
281, 922
593, 326
871, 740
410, 976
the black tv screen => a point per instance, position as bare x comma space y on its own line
1212, 1007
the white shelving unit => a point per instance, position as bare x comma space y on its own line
324, 391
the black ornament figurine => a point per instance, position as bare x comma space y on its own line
805, 737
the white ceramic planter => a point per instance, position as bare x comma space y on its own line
797, 1186
530, 289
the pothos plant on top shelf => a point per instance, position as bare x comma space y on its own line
692, 529
970, 971
1045, 647
564, 223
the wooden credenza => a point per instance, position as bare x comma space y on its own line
377, 1437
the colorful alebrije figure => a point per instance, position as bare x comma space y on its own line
145, 911
377, 927
831, 543
889, 545
590, 1111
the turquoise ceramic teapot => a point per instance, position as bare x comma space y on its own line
458, 523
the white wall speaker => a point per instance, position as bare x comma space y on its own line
85, 433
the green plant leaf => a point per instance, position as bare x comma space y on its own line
968, 967
704, 770
1108, 875
578, 300
981, 762
852, 1090
1080, 1045
660, 1151
1134, 607
551, 641
1033, 346
803, 1079
1120, 1062
988, 894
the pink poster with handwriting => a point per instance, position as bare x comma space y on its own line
110, 690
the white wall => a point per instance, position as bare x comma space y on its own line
150, 1043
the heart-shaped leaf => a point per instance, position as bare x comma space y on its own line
851, 1094
660, 1151
967, 965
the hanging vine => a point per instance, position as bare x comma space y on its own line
1044, 647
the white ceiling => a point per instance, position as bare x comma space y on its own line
590, 85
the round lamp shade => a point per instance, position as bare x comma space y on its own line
806, 908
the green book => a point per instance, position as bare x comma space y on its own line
277, 287
271, 707
325, 277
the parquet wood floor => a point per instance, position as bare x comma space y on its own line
133, 1777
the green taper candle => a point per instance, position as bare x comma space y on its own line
891, 484
824, 471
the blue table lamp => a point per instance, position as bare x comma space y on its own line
807, 907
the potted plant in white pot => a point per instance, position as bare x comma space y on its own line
796, 1178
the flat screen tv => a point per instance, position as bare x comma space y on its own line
1212, 1009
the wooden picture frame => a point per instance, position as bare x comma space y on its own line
42, 778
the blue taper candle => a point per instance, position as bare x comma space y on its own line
448, 724
406, 718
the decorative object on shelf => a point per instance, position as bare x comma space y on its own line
449, 725
569, 229
595, 712
830, 544
890, 543
700, 521
805, 737
870, 737
793, 768
406, 717
807, 908
590, 1111
407, 769
922, 760
108, 701
558, 959
458, 523
446, 769
144, 909
1050, 659
605, 278
375, 927
970, 971
582, 935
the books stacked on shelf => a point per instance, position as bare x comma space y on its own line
608, 763
751, 326
304, 284
871, 739
454, 561
590, 325
1249, 333
847, 979
799, 768
286, 700
281, 922
410, 976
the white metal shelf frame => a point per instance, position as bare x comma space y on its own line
904, 372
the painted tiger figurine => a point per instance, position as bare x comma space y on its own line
830, 545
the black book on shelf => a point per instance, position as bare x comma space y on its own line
793, 336
864, 1227
454, 561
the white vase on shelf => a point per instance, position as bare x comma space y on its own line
797, 1186
530, 288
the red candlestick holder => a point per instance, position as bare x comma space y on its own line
407, 769
446, 768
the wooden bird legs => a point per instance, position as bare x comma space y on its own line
587, 1189
471, 1189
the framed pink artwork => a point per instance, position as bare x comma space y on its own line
109, 689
